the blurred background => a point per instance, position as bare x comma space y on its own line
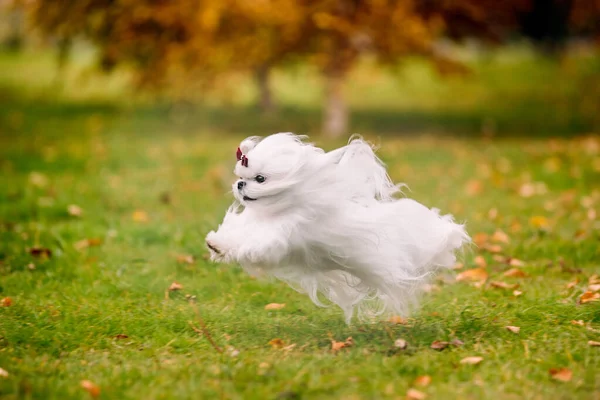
379, 67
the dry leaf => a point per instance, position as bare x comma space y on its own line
539, 222
458, 265
480, 239
594, 343
493, 248
274, 306
457, 342
423, 380
74, 210
476, 274
6, 302
40, 252
515, 273
439, 345
336, 346
500, 237
480, 262
471, 360
277, 343
120, 336
3, 373
185, 259
395, 319
175, 286
594, 279
594, 288
473, 187
414, 394
514, 262
561, 374
499, 258
517, 293
85, 243
140, 216
90, 387
588, 297
580, 322
571, 285
401, 344
513, 329
503, 285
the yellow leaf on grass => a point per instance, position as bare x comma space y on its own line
571, 285
90, 387
561, 374
578, 322
538, 221
480, 238
588, 297
336, 346
6, 302
414, 394
274, 306
471, 360
594, 343
513, 329
594, 279
3, 373
175, 286
517, 293
277, 343
185, 259
423, 380
480, 261
398, 320
515, 262
594, 288
439, 345
74, 210
473, 275
493, 248
140, 216
401, 344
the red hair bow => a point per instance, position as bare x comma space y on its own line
242, 157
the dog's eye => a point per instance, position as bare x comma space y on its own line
260, 178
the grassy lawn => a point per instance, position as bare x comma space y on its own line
150, 181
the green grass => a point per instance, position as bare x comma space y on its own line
113, 159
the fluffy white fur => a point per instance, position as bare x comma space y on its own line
330, 224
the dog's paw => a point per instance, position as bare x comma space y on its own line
217, 252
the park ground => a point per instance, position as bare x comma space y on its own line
105, 202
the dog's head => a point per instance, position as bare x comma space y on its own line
270, 170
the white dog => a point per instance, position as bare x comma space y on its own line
329, 223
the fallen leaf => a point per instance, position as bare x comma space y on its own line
594, 288
493, 248
475, 274
473, 187
6, 302
588, 297
140, 216
175, 286
579, 322
517, 293
503, 285
85, 243
458, 265
480, 239
594, 343
264, 365
423, 380
336, 346
414, 394
561, 374
514, 262
513, 329
539, 221
3, 373
185, 259
471, 360
457, 342
121, 336
274, 306
439, 345
571, 285
90, 387
480, 262
395, 319
500, 237
74, 210
401, 344
499, 258
38, 179
515, 273
40, 252
594, 279
277, 343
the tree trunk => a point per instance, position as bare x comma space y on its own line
264, 88
335, 117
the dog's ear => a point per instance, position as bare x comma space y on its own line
249, 143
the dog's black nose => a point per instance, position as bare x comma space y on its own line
241, 184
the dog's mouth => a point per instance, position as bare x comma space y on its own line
246, 198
